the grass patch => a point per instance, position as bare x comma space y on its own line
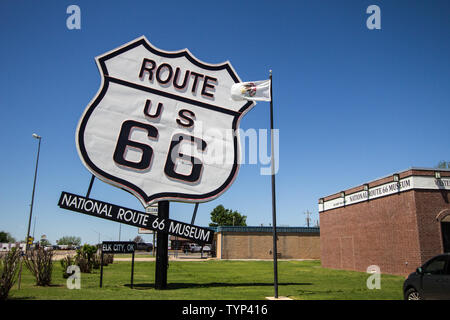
214, 280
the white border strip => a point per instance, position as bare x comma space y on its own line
412, 182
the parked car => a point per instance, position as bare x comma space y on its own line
431, 281
193, 247
144, 246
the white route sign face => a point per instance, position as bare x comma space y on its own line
163, 125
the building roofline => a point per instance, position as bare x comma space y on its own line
389, 175
266, 229
409, 169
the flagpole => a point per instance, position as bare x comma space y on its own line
274, 209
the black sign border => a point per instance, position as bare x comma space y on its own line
127, 186
120, 242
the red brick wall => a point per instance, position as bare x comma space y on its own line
258, 245
379, 232
429, 204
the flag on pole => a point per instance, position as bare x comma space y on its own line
254, 91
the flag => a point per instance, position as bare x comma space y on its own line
254, 91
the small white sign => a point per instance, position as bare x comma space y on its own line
153, 209
144, 231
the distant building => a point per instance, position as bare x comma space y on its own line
396, 222
178, 243
5, 247
257, 242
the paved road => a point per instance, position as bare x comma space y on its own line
140, 256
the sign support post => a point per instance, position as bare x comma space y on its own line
88, 193
101, 270
162, 242
153, 248
195, 213
132, 270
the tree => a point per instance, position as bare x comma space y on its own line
44, 243
6, 237
443, 164
138, 239
69, 240
226, 217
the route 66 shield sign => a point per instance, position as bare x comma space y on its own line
163, 125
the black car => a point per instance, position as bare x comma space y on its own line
144, 246
430, 281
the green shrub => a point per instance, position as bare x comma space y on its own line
85, 258
84, 264
96, 261
39, 262
108, 258
9, 263
65, 263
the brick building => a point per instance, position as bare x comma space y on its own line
396, 222
257, 243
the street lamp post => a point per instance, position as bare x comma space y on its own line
34, 188
31, 206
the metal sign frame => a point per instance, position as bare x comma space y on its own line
118, 247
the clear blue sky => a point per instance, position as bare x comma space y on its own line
352, 104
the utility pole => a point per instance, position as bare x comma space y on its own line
308, 219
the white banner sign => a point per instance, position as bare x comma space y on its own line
144, 231
412, 182
153, 209
163, 125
